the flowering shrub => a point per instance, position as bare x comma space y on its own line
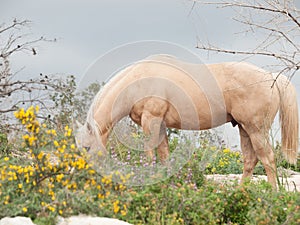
224, 161
55, 179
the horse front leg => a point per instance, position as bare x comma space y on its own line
155, 136
163, 149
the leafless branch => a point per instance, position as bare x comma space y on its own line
277, 22
15, 24
280, 57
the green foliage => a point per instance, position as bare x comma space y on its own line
63, 99
282, 162
4, 146
70, 104
212, 203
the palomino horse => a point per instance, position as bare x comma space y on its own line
162, 91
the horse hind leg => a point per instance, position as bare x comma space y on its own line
265, 154
249, 155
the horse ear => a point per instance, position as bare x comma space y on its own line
89, 128
77, 125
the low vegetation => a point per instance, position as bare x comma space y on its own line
50, 177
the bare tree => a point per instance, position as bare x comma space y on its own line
277, 21
14, 91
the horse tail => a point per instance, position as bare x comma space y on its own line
288, 116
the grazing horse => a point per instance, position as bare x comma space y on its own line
162, 91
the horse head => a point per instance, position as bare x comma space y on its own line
86, 136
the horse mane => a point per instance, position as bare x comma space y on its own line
100, 95
90, 115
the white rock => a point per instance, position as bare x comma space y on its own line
16, 221
89, 220
291, 183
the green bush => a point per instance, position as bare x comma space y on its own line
212, 203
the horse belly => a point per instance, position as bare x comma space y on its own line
188, 119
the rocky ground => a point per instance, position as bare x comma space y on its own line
74, 220
289, 178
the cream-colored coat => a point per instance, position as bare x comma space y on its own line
162, 91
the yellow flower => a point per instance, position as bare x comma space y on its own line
6, 159
93, 182
20, 186
53, 132
116, 206
59, 177
226, 150
24, 209
122, 187
40, 155
63, 142
51, 208
259, 199
55, 143
92, 172
25, 137
101, 196
31, 140
123, 212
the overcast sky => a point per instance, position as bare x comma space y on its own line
87, 29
